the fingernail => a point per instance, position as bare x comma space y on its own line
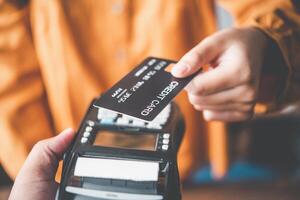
179, 70
68, 131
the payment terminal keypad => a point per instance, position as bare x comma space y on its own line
107, 117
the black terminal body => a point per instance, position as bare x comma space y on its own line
111, 136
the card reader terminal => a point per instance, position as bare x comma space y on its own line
118, 157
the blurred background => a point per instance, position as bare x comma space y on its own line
263, 158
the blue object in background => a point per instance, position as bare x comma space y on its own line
224, 18
238, 172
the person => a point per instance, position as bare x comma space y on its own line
57, 55
36, 179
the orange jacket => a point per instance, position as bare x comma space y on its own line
56, 55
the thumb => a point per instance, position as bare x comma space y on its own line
36, 177
45, 155
59, 144
204, 53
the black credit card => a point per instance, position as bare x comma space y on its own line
145, 91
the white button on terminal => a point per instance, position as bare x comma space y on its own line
88, 129
91, 123
166, 136
86, 134
153, 125
104, 113
123, 121
138, 123
165, 141
84, 140
165, 147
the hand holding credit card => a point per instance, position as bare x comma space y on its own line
145, 91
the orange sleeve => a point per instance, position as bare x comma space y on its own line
24, 116
280, 20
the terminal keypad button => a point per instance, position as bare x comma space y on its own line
165, 141
88, 129
86, 134
165, 147
84, 140
110, 118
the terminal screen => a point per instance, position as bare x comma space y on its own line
115, 139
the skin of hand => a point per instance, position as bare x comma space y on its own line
36, 179
228, 90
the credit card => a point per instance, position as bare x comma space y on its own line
145, 91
